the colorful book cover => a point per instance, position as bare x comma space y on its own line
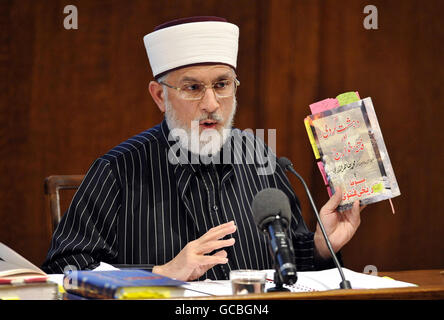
122, 284
350, 150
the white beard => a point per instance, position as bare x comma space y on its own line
209, 142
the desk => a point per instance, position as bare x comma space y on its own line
430, 286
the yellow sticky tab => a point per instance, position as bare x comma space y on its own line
144, 293
311, 138
347, 97
10, 298
379, 187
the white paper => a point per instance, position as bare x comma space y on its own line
103, 266
330, 279
13, 263
307, 281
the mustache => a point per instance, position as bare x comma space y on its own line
210, 116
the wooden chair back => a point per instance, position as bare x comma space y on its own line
53, 184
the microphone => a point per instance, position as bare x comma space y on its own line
272, 215
286, 164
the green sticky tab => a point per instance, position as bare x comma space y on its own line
347, 97
379, 187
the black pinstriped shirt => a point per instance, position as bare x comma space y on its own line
135, 206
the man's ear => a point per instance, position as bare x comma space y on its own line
156, 91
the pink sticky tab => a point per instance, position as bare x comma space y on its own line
329, 192
324, 105
357, 93
321, 168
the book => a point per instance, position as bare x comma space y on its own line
350, 151
42, 290
20, 279
122, 284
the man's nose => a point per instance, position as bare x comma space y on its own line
209, 101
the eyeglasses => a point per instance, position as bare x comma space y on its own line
196, 90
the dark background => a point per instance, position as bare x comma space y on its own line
68, 96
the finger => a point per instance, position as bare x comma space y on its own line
333, 202
355, 213
211, 261
215, 244
221, 253
221, 227
218, 232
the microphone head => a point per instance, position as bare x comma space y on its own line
267, 204
284, 163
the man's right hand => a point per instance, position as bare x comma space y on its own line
193, 261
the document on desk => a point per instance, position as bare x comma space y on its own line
307, 281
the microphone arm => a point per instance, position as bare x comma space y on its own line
287, 165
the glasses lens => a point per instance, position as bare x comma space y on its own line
196, 90
192, 90
224, 88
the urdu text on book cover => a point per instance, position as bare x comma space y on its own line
350, 150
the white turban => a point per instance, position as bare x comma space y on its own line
191, 41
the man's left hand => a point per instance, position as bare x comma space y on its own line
339, 226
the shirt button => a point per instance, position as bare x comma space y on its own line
215, 208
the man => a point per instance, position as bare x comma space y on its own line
164, 199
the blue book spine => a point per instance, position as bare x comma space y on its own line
105, 284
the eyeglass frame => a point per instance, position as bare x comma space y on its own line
206, 86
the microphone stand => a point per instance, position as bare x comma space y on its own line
345, 284
278, 282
